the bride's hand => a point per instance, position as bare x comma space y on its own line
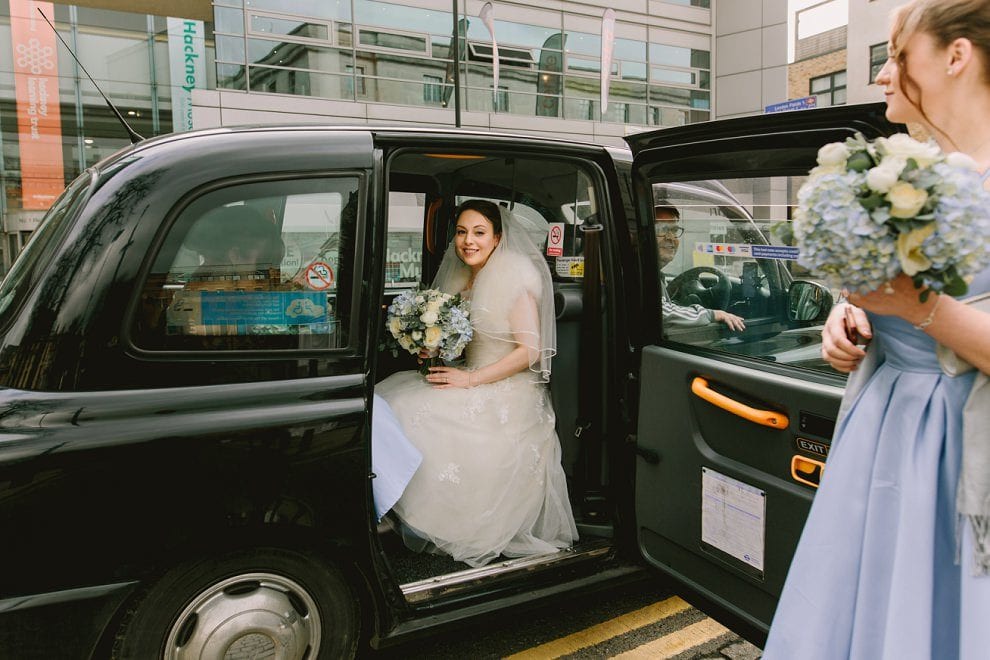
425, 354
447, 377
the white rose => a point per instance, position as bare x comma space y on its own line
960, 161
433, 336
406, 344
909, 250
905, 146
881, 178
433, 306
905, 200
395, 326
833, 154
429, 317
417, 335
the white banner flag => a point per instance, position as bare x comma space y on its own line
187, 65
608, 41
488, 18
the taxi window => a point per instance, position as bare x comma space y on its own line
253, 267
404, 250
729, 278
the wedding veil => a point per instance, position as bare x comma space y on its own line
515, 270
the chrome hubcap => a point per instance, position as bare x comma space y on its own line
247, 617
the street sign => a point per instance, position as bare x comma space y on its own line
793, 104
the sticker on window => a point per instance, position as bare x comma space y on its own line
249, 312
782, 252
733, 518
569, 266
555, 240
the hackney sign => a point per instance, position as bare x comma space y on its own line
794, 104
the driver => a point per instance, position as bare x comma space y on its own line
668, 231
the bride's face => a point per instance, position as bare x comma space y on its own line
474, 239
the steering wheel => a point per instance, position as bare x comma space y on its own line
708, 285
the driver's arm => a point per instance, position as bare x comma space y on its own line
685, 316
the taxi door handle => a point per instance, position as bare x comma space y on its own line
769, 418
807, 470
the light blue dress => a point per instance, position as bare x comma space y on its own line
877, 574
394, 459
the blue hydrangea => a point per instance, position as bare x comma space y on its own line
840, 240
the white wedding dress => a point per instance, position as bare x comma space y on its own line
490, 482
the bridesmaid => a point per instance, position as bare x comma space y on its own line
889, 564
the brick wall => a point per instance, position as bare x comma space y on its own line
800, 72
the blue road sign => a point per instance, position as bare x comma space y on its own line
793, 104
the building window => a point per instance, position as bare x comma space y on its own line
354, 80
829, 89
502, 100
432, 90
878, 57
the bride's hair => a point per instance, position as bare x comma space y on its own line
488, 209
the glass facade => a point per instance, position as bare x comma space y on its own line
53, 121
402, 53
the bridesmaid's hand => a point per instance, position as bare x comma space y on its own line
898, 298
845, 325
446, 377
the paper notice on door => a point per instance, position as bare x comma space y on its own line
733, 517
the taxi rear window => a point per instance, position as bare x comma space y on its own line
256, 266
37, 253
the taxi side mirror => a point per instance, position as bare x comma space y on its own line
808, 302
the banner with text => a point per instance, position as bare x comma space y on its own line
187, 65
39, 118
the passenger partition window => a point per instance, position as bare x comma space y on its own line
258, 266
727, 259
404, 248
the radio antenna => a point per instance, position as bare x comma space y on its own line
135, 137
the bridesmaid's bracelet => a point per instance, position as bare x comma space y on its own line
931, 315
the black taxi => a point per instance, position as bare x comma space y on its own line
185, 452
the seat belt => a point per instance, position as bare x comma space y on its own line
588, 429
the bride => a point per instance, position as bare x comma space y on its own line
490, 482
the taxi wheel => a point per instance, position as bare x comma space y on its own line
265, 602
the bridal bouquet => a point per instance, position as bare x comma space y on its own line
429, 319
871, 210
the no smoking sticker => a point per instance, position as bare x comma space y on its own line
555, 240
319, 276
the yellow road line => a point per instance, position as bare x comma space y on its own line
604, 631
676, 642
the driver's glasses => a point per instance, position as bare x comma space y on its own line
668, 229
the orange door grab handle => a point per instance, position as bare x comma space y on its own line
807, 470
765, 417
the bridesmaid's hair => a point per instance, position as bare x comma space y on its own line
488, 209
945, 21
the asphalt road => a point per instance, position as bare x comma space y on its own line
641, 620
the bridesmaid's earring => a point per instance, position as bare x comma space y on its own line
949, 71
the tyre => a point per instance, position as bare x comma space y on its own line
259, 603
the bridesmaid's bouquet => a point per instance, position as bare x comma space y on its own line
871, 210
429, 319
